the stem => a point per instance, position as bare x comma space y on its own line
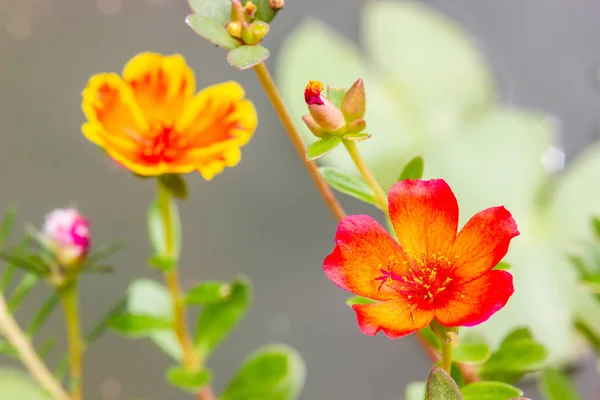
68, 295
27, 354
190, 359
367, 175
447, 356
286, 120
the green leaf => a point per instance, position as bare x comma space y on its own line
502, 266
518, 354
104, 252
264, 12
441, 386
217, 10
187, 380
322, 146
357, 137
245, 57
208, 292
555, 385
415, 391
139, 325
586, 331
358, 300
145, 296
456, 374
24, 287
413, 170
156, 229
175, 184
10, 269
42, 315
15, 384
8, 350
490, 391
350, 185
25, 264
163, 263
336, 96
211, 31
596, 226
218, 320
8, 222
471, 353
273, 372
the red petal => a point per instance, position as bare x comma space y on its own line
362, 249
395, 318
483, 242
475, 302
424, 215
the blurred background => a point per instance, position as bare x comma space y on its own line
264, 218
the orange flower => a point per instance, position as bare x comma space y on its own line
152, 122
432, 272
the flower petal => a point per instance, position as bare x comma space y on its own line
395, 318
475, 302
424, 214
483, 242
363, 248
108, 101
161, 85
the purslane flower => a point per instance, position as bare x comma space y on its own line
66, 235
152, 122
431, 271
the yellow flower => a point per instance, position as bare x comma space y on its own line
152, 122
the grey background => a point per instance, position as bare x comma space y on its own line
263, 218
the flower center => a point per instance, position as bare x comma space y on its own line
425, 279
165, 146
312, 93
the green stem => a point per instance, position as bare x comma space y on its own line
190, 359
446, 356
69, 298
367, 175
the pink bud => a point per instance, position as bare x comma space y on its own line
66, 234
354, 104
327, 115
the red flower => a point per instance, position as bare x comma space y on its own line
432, 272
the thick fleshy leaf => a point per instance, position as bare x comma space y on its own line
145, 296
413, 170
139, 325
555, 385
471, 350
322, 147
273, 372
490, 391
217, 10
415, 391
518, 354
351, 185
444, 77
212, 31
208, 292
217, 320
16, 384
441, 386
157, 231
188, 380
245, 57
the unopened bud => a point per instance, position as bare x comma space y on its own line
354, 104
235, 29
247, 34
276, 4
323, 111
66, 235
313, 126
237, 12
260, 30
250, 10
358, 125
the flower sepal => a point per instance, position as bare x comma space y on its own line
175, 184
446, 334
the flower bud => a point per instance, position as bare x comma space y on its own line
250, 10
313, 126
66, 235
322, 110
354, 104
247, 34
260, 30
276, 4
238, 13
235, 29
